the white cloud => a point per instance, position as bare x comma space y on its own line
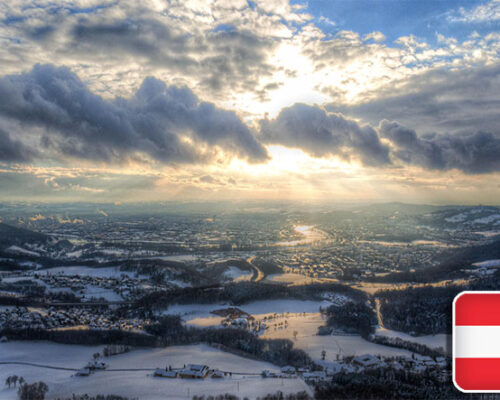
488, 12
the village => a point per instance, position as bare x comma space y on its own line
13, 317
436, 367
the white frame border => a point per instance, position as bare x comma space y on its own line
497, 292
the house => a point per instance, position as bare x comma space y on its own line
313, 377
3, 339
268, 374
240, 322
165, 374
170, 374
338, 367
217, 374
194, 371
83, 372
288, 369
366, 360
97, 365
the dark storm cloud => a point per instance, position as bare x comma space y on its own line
472, 153
166, 123
13, 150
321, 134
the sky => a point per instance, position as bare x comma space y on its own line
204, 100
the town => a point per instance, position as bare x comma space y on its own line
228, 300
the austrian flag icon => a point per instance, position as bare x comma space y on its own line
476, 341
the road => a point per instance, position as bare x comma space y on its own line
46, 366
379, 314
258, 275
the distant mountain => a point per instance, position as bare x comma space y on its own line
480, 217
13, 236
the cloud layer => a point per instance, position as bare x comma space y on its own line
473, 153
52, 115
324, 134
237, 82
165, 123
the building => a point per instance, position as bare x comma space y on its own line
217, 374
288, 369
194, 371
97, 365
313, 377
83, 372
165, 374
366, 360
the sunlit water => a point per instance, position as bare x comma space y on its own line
310, 235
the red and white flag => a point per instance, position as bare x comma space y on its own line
476, 341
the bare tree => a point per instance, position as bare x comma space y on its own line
8, 381
34, 391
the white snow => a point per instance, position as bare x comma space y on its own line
283, 306
113, 252
179, 257
431, 341
457, 218
487, 264
139, 384
205, 321
20, 250
236, 274
487, 220
290, 278
192, 311
307, 339
74, 254
488, 233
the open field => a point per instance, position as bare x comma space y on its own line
139, 384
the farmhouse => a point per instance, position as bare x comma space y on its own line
194, 371
366, 360
165, 374
217, 374
288, 369
313, 377
96, 365
83, 372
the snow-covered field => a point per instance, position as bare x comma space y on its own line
290, 278
304, 321
20, 250
488, 234
306, 339
237, 275
140, 384
431, 341
179, 257
457, 218
191, 312
487, 264
487, 220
